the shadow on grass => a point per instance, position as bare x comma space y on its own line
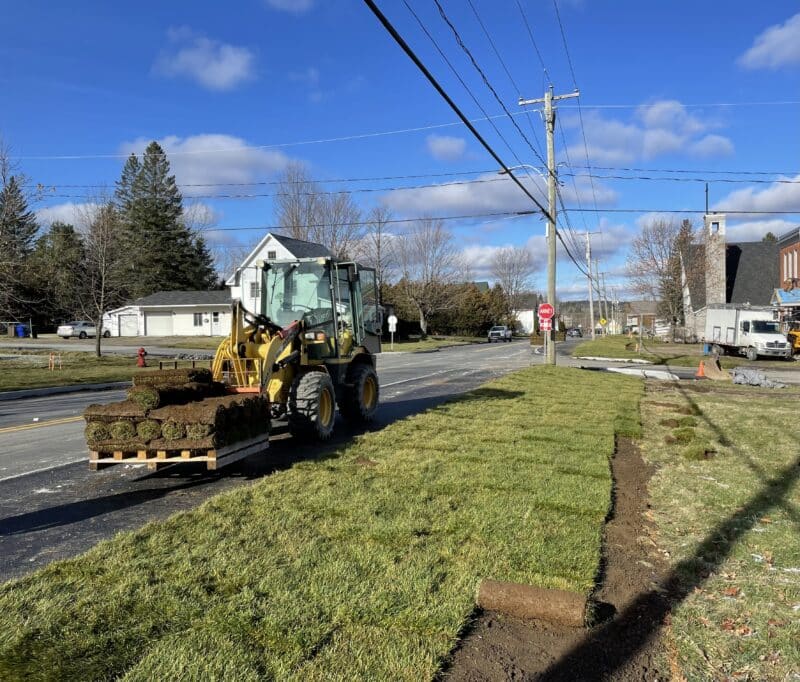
606, 650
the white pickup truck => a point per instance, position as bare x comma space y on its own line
499, 333
745, 330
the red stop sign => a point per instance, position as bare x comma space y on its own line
546, 311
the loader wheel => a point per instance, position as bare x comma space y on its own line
360, 400
312, 407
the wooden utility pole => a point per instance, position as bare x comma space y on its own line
550, 126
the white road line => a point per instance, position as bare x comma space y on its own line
424, 376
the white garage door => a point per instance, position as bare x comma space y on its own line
128, 325
158, 324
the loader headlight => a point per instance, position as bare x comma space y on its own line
314, 336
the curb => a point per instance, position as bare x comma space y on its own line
55, 390
635, 361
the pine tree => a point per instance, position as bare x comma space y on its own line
164, 253
17, 234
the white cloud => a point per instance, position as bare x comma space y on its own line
446, 148
779, 196
777, 46
200, 216
755, 230
658, 128
77, 215
291, 6
712, 145
492, 193
308, 76
212, 159
213, 64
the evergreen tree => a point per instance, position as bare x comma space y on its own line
17, 234
58, 267
164, 253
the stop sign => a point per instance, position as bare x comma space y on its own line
546, 311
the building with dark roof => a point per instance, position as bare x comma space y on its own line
717, 272
245, 282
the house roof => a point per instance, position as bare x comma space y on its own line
782, 297
176, 298
751, 272
297, 247
301, 248
641, 307
482, 286
789, 237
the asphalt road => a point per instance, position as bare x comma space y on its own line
52, 506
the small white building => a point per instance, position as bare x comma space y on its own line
245, 283
173, 313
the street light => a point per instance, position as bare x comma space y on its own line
550, 349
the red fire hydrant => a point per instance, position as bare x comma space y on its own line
140, 360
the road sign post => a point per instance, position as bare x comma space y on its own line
392, 322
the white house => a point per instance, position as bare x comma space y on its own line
245, 283
173, 313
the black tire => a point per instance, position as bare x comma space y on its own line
312, 407
361, 396
82, 335
752, 354
106, 334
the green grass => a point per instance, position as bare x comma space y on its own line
30, 370
661, 353
430, 343
736, 487
362, 565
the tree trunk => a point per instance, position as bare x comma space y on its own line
98, 335
423, 323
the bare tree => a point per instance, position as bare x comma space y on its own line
429, 264
307, 212
376, 248
655, 265
512, 268
101, 285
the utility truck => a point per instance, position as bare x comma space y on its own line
751, 331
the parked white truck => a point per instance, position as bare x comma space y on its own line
745, 330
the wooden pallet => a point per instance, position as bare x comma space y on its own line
155, 459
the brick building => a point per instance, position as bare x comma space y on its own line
789, 259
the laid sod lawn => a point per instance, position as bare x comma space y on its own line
727, 507
662, 353
363, 565
29, 370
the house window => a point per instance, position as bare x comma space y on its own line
794, 270
253, 289
215, 317
272, 255
714, 228
197, 319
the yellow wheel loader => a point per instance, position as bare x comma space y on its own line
310, 348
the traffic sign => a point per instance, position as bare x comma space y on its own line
545, 324
603, 321
546, 311
392, 321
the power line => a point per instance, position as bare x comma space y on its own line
405, 47
533, 42
684, 211
486, 81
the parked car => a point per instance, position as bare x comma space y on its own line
575, 332
80, 328
499, 333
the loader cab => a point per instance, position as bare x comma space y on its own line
337, 303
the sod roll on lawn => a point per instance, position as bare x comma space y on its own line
360, 566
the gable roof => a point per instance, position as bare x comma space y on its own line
297, 247
301, 248
177, 298
751, 272
789, 237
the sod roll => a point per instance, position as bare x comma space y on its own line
110, 446
525, 601
172, 377
96, 431
122, 430
148, 429
151, 397
114, 412
172, 430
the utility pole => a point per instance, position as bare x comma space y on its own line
550, 126
597, 284
589, 275
605, 300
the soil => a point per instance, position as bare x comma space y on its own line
626, 646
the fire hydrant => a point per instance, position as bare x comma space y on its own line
140, 360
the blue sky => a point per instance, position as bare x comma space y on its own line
234, 94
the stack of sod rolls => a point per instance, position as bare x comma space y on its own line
175, 410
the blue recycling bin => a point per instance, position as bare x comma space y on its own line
21, 330
706, 349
